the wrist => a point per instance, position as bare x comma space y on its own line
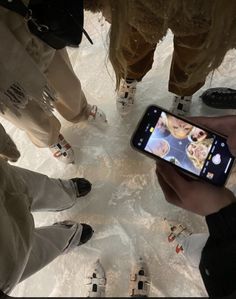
222, 202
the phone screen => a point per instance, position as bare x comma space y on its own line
191, 148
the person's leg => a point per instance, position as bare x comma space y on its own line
49, 194
71, 102
46, 194
51, 241
185, 50
139, 56
43, 130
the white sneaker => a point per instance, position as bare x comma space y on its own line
139, 284
178, 233
96, 281
62, 151
181, 105
125, 96
97, 115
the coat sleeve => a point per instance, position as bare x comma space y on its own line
8, 149
218, 260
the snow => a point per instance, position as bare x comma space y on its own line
126, 206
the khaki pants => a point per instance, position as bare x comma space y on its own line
140, 60
43, 130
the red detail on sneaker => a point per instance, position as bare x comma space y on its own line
93, 111
171, 238
67, 146
179, 249
57, 154
62, 150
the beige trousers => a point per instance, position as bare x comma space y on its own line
46, 194
43, 130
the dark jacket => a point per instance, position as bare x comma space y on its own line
218, 260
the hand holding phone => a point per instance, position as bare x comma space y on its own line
195, 150
194, 196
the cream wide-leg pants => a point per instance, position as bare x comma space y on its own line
43, 130
49, 241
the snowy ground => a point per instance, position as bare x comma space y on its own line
126, 206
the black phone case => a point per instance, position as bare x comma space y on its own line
184, 171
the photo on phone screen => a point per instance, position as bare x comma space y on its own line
191, 148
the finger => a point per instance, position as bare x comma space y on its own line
222, 124
177, 182
169, 193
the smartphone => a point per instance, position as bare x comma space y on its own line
195, 150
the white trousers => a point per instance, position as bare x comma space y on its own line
50, 241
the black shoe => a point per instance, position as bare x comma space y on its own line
87, 230
82, 186
87, 233
220, 98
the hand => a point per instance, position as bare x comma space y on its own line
225, 125
194, 196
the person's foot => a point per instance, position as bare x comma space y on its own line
97, 115
86, 234
220, 98
82, 186
178, 233
181, 105
125, 96
139, 283
62, 151
96, 281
